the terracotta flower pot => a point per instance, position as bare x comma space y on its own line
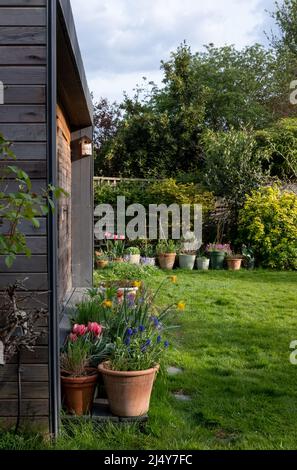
102, 264
78, 393
129, 393
167, 260
118, 260
234, 264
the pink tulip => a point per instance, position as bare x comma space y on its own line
122, 237
73, 338
95, 328
115, 237
79, 330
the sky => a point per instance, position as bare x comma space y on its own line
124, 40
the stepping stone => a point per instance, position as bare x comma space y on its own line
173, 371
182, 397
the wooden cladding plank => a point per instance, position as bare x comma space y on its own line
30, 373
29, 151
24, 132
23, 75
22, 55
22, 35
27, 228
28, 424
31, 301
37, 245
39, 356
9, 391
23, 16
36, 282
36, 170
24, 264
22, 114
22, 3
37, 186
26, 94
9, 408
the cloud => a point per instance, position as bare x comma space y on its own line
122, 40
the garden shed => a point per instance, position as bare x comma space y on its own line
47, 115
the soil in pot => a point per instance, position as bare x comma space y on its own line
217, 259
187, 262
78, 393
129, 393
167, 260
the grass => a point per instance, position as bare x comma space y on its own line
233, 346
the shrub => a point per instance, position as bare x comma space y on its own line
268, 222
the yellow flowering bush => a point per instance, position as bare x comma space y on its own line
268, 222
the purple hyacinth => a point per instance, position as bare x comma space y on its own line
166, 344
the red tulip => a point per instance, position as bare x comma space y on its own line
73, 338
79, 330
95, 328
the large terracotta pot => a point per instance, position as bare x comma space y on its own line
234, 264
78, 393
167, 260
129, 393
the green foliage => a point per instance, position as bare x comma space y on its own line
119, 271
166, 246
132, 250
233, 164
281, 142
21, 204
76, 357
268, 222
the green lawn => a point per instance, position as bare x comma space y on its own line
233, 345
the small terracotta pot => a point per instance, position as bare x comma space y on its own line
129, 393
102, 264
167, 260
118, 260
234, 264
78, 393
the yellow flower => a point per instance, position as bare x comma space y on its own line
137, 284
173, 279
107, 303
181, 306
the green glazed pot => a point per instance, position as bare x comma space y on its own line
217, 259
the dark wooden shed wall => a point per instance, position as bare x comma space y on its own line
23, 121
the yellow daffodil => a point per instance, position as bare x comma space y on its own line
107, 303
173, 279
181, 306
137, 284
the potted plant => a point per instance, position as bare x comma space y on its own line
115, 247
234, 262
166, 251
101, 260
85, 348
203, 263
187, 259
148, 256
136, 329
249, 257
133, 255
217, 253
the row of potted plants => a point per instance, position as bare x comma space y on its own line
166, 253
118, 336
